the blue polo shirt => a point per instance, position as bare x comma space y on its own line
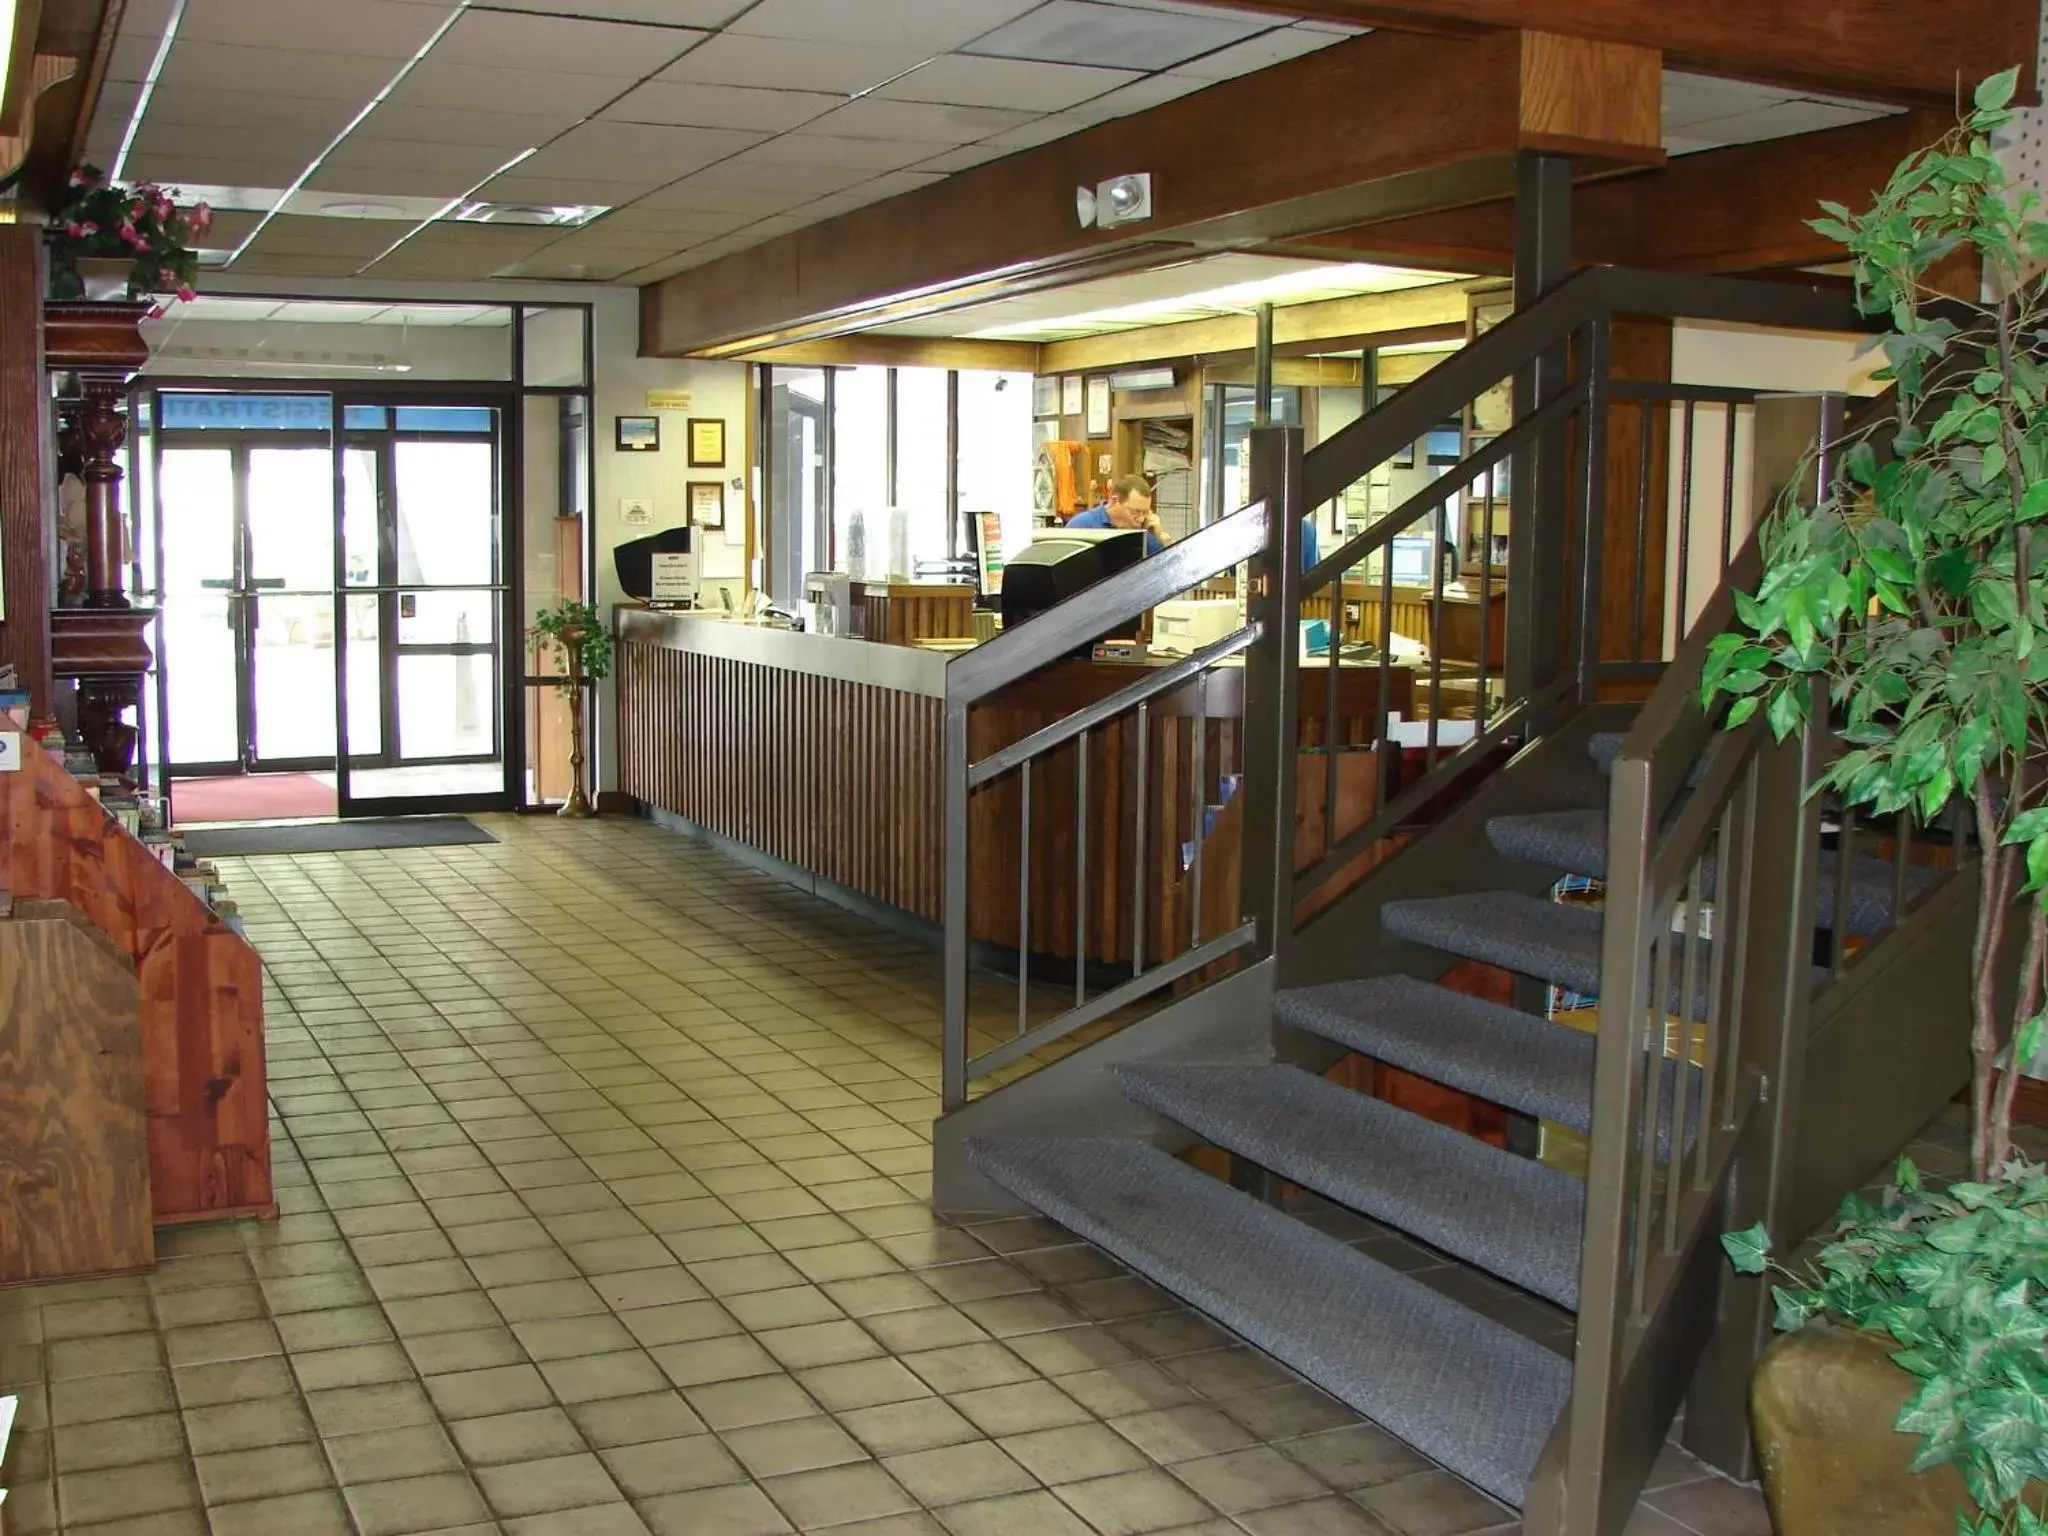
1098, 517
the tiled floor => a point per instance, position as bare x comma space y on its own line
603, 1164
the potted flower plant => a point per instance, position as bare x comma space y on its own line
113, 242
1914, 594
582, 647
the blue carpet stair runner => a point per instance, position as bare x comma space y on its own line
1576, 842
1462, 1388
1466, 1391
1509, 1215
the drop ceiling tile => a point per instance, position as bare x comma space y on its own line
247, 110
197, 170
132, 54
789, 64
518, 186
1114, 36
445, 314
1140, 96
318, 312
1779, 121
471, 88
966, 79
894, 184
1341, 28
543, 270
918, 121
936, 28
180, 143
699, 195
966, 157
656, 271
283, 265
641, 244
627, 150
677, 222
211, 307
226, 68
747, 173
379, 29
870, 155
361, 151
518, 40
227, 231
659, 13
1689, 98
1045, 130
1256, 53
316, 236
507, 131
357, 184
695, 104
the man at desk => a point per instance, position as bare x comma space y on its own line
1130, 506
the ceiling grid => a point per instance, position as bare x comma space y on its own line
703, 127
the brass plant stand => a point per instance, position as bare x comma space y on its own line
577, 805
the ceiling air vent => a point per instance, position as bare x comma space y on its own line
561, 216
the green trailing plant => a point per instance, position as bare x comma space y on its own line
1955, 1275
140, 225
574, 630
1913, 592
1912, 597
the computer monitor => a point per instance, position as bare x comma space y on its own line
1059, 563
1409, 557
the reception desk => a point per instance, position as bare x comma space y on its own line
826, 755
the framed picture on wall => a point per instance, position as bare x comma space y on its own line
1070, 395
707, 442
1098, 407
637, 434
1404, 458
707, 504
1045, 395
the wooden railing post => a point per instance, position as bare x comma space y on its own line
1272, 704
1775, 979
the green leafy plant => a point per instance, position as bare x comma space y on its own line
1956, 1276
579, 642
140, 225
1913, 593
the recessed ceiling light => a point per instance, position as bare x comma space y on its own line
362, 210
564, 216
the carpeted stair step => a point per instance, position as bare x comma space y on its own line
1492, 1052
1526, 934
1495, 1053
1464, 1390
1576, 842
1604, 747
1508, 1215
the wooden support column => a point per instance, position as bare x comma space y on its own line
25, 585
1638, 497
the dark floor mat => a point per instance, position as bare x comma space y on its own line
335, 836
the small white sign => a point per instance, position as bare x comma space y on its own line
10, 751
636, 511
673, 578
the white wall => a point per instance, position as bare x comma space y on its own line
330, 355
1736, 356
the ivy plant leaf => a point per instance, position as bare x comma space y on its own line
1749, 1250
1996, 91
1793, 1310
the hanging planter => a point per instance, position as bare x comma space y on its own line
112, 242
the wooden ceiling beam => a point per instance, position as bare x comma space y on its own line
74, 41
1913, 52
880, 350
1739, 209
1398, 122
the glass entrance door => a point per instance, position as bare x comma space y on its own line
419, 587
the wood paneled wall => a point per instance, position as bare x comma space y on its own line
74, 1143
25, 585
843, 781
201, 990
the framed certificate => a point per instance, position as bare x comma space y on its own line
707, 442
1045, 395
707, 504
1070, 396
1098, 407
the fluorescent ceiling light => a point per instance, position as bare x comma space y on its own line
565, 216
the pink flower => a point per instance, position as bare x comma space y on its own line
88, 228
186, 293
74, 229
202, 219
133, 236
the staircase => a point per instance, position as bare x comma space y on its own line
1767, 975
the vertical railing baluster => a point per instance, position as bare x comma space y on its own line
1727, 874
1138, 881
1845, 855
1389, 755
1656, 1028
959, 995
1682, 1068
1080, 869
1330, 716
1590, 492
1024, 899
1486, 599
1727, 496
1684, 619
1200, 793
1644, 452
1436, 640
1738, 967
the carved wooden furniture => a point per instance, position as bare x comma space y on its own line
74, 1157
201, 990
95, 349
